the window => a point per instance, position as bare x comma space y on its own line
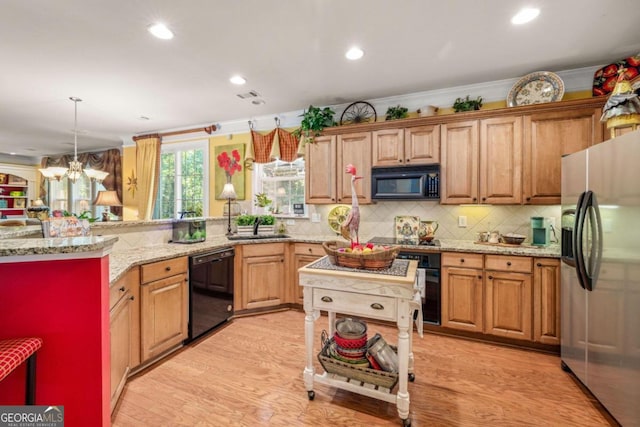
283, 183
184, 180
82, 194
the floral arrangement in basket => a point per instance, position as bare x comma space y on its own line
356, 255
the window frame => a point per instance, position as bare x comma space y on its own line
257, 179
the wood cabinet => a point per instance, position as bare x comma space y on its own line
164, 295
508, 296
462, 291
326, 180
124, 326
549, 136
406, 147
303, 254
482, 161
263, 275
546, 301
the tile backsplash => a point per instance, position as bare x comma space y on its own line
378, 219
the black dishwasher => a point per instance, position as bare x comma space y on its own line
210, 291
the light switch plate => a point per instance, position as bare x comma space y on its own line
462, 221
315, 217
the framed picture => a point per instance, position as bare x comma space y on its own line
237, 178
16, 180
20, 203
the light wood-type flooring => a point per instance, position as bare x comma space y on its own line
249, 373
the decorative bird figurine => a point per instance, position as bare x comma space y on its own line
349, 227
623, 106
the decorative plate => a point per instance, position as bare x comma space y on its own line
536, 88
337, 215
407, 227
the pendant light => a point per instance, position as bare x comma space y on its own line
75, 167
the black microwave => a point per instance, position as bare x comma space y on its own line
406, 183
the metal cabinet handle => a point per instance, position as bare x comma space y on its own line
122, 289
327, 299
310, 250
461, 259
528, 199
508, 263
132, 297
484, 199
474, 199
400, 160
479, 277
539, 265
408, 160
167, 268
490, 277
377, 306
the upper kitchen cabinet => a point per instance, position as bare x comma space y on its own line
326, 180
411, 146
547, 137
481, 161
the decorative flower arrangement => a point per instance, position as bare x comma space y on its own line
229, 164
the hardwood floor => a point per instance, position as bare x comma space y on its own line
250, 374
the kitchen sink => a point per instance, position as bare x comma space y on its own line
258, 236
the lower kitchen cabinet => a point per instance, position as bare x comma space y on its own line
508, 296
263, 275
462, 291
303, 254
164, 295
124, 328
546, 301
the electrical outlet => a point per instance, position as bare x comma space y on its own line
291, 222
315, 217
462, 221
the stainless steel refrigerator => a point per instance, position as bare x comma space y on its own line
600, 336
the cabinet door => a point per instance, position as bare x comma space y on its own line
299, 262
387, 147
501, 160
508, 304
164, 316
263, 279
354, 148
459, 168
548, 137
422, 145
546, 301
320, 179
462, 298
121, 320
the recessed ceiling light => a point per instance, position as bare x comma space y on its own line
12, 153
525, 15
354, 53
161, 31
238, 80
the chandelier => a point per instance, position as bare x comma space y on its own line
75, 167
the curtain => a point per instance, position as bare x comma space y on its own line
277, 144
148, 167
109, 161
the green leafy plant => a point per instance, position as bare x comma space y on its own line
395, 113
467, 104
84, 215
314, 120
262, 200
251, 219
267, 220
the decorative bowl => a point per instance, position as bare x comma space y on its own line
513, 239
350, 343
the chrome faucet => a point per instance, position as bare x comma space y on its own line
256, 223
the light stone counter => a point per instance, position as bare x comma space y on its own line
12, 249
21, 231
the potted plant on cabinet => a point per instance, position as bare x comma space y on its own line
467, 104
314, 120
395, 113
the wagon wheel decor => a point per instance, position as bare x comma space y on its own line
358, 112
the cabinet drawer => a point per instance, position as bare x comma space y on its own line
262, 249
518, 264
309, 249
374, 306
161, 269
450, 259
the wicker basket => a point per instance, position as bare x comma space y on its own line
366, 375
378, 260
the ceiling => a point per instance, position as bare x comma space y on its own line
290, 51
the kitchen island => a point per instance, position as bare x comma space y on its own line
384, 295
58, 290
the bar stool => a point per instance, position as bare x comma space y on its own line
13, 352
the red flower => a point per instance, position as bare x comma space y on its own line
229, 165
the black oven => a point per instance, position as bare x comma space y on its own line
429, 275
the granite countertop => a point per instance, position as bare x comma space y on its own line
53, 246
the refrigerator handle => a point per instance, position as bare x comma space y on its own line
595, 257
578, 230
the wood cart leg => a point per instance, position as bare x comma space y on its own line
404, 323
309, 320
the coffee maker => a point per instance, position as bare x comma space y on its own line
540, 231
